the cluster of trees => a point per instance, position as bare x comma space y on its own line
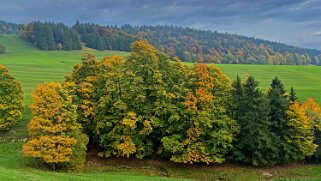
2, 49
148, 105
104, 38
8, 28
274, 127
188, 44
213, 47
197, 45
11, 100
50, 36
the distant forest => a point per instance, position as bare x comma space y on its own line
50, 36
8, 28
188, 44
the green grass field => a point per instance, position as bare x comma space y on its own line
306, 80
33, 67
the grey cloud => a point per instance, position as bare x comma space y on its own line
317, 33
289, 21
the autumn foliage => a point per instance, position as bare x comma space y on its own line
55, 136
145, 104
11, 100
301, 130
204, 132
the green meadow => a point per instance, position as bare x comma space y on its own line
33, 67
306, 80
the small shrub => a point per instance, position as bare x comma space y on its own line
2, 49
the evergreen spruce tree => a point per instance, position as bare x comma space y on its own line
75, 40
100, 43
279, 104
293, 96
44, 37
48, 40
255, 142
67, 41
237, 96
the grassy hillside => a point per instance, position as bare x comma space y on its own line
32, 67
306, 80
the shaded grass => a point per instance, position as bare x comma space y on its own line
14, 167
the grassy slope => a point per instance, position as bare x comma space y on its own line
32, 67
306, 80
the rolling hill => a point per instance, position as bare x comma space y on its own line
189, 44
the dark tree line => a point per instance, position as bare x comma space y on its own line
50, 36
104, 38
8, 28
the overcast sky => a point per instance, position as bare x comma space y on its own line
296, 22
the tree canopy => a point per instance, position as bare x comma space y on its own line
11, 100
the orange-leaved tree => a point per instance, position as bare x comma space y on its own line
11, 100
313, 111
56, 139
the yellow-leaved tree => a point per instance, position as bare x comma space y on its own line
300, 131
313, 111
56, 139
204, 133
11, 100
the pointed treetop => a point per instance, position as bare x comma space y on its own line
277, 84
293, 96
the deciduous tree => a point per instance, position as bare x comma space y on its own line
300, 132
11, 100
55, 136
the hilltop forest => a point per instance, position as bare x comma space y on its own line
188, 44
8, 28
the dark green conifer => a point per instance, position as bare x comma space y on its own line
255, 142
293, 96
